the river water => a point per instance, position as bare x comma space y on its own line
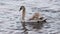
10, 16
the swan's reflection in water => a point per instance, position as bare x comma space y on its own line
36, 26
24, 28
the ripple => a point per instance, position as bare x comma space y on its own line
17, 22
2, 30
2, 4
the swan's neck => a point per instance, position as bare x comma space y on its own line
23, 14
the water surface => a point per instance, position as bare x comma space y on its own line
10, 16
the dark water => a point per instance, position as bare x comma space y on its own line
10, 17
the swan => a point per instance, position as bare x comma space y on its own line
37, 16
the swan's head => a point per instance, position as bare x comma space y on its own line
21, 8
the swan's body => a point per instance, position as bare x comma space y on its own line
36, 15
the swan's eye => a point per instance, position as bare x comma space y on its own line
20, 9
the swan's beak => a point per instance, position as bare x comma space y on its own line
20, 9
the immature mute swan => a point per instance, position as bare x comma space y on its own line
36, 15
